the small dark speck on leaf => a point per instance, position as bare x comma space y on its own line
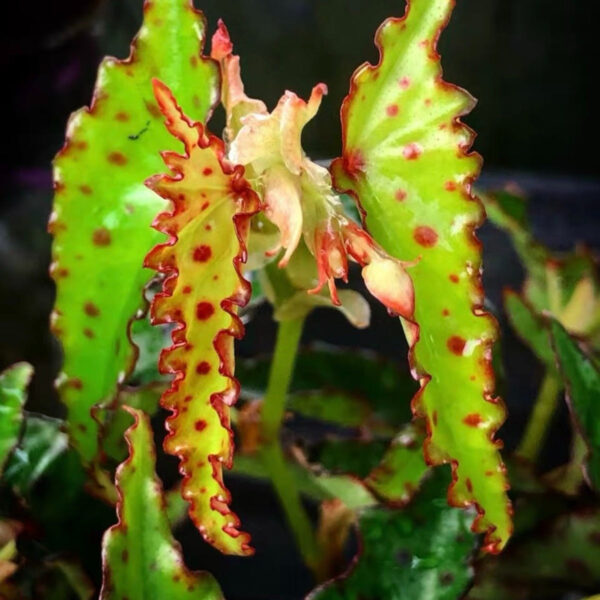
135, 136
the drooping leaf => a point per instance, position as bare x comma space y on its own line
405, 159
102, 211
420, 552
532, 328
141, 559
582, 384
13, 382
402, 469
558, 558
208, 226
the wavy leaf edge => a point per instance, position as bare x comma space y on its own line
250, 205
350, 165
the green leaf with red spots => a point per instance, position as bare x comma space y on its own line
406, 160
208, 227
13, 382
582, 385
102, 211
421, 552
141, 560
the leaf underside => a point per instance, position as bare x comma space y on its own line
208, 227
102, 211
141, 560
406, 161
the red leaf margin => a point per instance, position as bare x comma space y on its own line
248, 207
351, 165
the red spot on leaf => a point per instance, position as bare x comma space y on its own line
117, 158
473, 420
453, 277
404, 82
425, 236
469, 485
208, 228
85, 189
427, 101
207, 171
412, 151
186, 290
193, 61
88, 333
80, 145
445, 312
205, 206
91, 309
202, 253
434, 417
456, 345
61, 273
122, 116
101, 237
153, 109
204, 310
400, 195
450, 186
75, 383
200, 425
203, 368
392, 110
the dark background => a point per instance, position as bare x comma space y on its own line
531, 64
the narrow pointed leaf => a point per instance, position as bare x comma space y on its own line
421, 552
102, 211
140, 558
582, 384
405, 159
13, 384
208, 226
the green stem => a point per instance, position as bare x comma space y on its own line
545, 405
273, 409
